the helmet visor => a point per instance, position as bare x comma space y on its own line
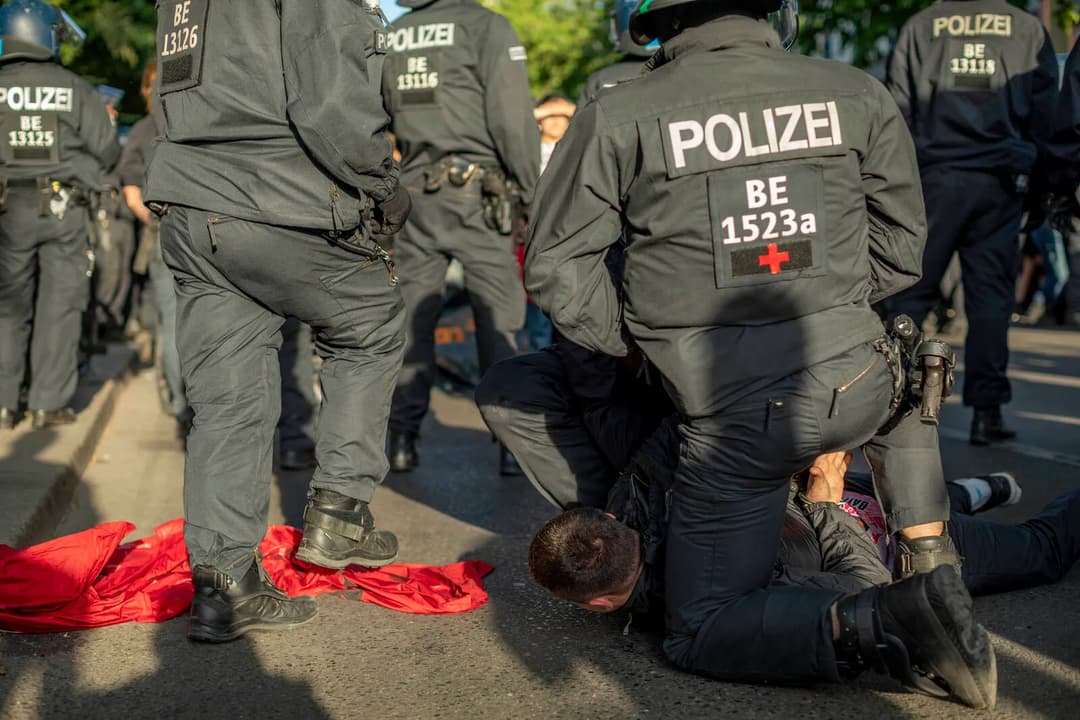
786, 22
68, 30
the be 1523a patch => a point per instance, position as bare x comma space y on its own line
181, 43
517, 53
767, 224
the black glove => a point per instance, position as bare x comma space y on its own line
390, 215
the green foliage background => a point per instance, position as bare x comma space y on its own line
119, 41
566, 39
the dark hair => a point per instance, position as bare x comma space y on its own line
583, 554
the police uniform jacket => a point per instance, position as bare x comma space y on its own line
766, 199
53, 124
623, 71
272, 111
456, 83
977, 83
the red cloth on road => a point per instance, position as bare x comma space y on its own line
89, 579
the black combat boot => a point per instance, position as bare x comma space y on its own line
403, 457
508, 464
41, 419
922, 555
339, 531
224, 609
922, 632
987, 426
8, 418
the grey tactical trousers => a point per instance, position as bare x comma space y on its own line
236, 281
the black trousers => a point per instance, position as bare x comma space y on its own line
974, 214
730, 497
235, 283
44, 289
112, 267
999, 557
444, 225
570, 448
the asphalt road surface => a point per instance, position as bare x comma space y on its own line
523, 655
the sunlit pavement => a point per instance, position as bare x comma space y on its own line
523, 655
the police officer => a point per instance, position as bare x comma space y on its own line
457, 89
1064, 147
274, 156
765, 200
113, 234
56, 141
976, 82
628, 66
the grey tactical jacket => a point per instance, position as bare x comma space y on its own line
54, 125
456, 83
765, 200
273, 111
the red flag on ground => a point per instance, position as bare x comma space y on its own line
89, 579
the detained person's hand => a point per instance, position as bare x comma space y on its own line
826, 480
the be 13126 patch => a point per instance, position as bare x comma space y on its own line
181, 37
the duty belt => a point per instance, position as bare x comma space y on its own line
925, 375
458, 171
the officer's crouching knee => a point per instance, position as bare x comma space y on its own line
496, 387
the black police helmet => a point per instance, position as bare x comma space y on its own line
652, 19
414, 4
35, 24
620, 29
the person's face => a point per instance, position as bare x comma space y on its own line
554, 127
611, 602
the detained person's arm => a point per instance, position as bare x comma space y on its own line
332, 55
894, 200
576, 219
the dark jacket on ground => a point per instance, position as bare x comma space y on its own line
977, 83
51, 98
456, 83
274, 114
718, 306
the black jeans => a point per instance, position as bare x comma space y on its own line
235, 283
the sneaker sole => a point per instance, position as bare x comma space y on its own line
1015, 491
209, 635
312, 556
